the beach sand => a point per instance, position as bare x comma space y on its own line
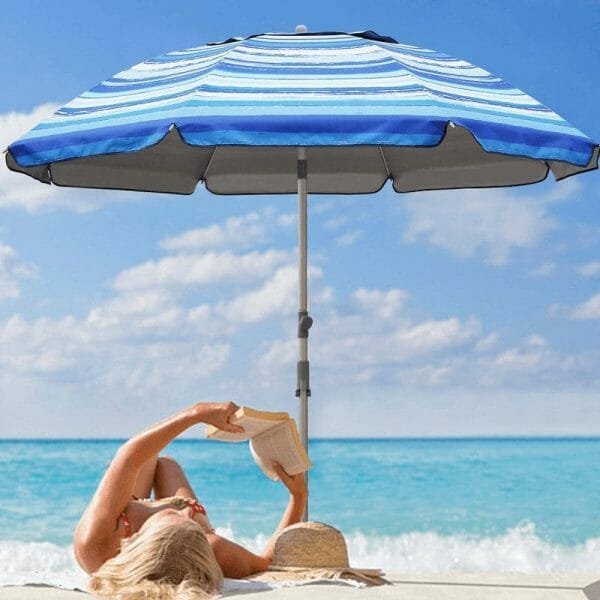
503, 586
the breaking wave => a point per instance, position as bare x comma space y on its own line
519, 549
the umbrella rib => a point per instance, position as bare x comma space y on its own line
209, 164
385, 163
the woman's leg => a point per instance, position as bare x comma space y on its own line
170, 480
145, 479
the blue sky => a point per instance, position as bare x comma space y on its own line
439, 313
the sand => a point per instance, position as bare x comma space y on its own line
405, 586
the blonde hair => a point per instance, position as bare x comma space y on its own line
171, 560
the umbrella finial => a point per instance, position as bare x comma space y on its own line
301, 29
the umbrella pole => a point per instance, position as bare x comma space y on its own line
304, 321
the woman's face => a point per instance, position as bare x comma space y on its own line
169, 516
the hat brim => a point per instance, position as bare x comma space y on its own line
283, 573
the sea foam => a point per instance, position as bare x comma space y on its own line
519, 549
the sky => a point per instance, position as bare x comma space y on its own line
459, 313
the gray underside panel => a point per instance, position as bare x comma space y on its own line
175, 167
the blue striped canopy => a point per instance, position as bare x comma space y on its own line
366, 108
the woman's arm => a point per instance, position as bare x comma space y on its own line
236, 561
296, 484
94, 536
151, 441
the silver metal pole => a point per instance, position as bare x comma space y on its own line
304, 321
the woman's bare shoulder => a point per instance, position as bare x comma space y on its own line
94, 543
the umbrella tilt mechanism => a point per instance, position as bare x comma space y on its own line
304, 324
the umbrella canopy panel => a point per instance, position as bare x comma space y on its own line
367, 109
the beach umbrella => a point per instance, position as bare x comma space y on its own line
325, 113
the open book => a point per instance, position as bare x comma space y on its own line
273, 436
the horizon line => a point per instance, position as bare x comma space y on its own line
500, 437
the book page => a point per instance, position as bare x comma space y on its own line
265, 466
253, 421
282, 444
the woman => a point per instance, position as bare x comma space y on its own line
166, 547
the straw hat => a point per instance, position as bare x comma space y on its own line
311, 545
314, 550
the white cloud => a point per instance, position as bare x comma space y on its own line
159, 366
486, 343
147, 337
427, 376
519, 359
278, 354
374, 340
591, 269
8, 283
201, 269
43, 346
590, 309
348, 239
536, 341
237, 232
398, 345
277, 296
145, 311
374, 334
129, 344
383, 304
533, 363
11, 270
287, 219
491, 223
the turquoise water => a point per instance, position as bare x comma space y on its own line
427, 502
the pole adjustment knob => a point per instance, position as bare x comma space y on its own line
304, 324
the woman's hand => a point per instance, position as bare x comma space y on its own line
296, 484
218, 414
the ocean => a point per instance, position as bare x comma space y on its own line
420, 505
